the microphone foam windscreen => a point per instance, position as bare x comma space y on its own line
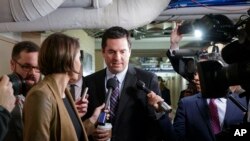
112, 83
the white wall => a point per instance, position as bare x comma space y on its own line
87, 44
6, 45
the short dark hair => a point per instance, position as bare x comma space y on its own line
160, 79
57, 54
26, 46
115, 32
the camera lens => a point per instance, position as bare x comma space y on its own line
18, 84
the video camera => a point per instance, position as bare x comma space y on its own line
18, 84
218, 71
216, 28
216, 77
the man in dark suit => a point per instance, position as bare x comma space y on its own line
135, 119
193, 123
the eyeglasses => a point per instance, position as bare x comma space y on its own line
28, 68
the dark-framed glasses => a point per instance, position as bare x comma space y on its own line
28, 68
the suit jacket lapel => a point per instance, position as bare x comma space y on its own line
202, 105
101, 82
130, 80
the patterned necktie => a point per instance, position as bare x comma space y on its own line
114, 101
215, 123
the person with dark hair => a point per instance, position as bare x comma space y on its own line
49, 109
24, 60
183, 66
192, 88
7, 103
24, 64
132, 118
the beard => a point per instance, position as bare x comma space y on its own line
30, 82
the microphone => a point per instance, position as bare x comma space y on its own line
141, 85
236, 102
111, 85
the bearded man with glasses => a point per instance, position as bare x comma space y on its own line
24, 63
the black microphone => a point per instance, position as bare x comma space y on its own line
111, 85
141, 85
236, 102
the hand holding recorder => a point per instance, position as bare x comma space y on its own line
82, 103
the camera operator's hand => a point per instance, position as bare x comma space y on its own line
175, 38
7, 99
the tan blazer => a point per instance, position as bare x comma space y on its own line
45, 116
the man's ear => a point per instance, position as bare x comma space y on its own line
12, 65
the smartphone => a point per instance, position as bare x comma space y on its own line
85, 92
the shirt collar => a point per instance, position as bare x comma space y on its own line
221, 99
120, 76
